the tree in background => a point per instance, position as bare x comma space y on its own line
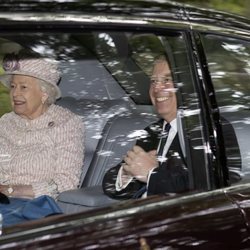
4, 100
238, 7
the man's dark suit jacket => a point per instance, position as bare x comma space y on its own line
170, 177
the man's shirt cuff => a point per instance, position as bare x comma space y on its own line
120, 182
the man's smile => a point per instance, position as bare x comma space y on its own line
162, 98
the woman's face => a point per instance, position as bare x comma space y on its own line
27, 99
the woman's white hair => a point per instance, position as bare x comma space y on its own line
49, 90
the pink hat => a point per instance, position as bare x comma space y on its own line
40, 68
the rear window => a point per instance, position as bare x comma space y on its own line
229, 65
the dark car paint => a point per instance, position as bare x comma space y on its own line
216, 219
213, 128
202, 221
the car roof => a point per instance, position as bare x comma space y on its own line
147, 8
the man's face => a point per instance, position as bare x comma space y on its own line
162, 91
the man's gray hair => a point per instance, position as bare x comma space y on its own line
161, 58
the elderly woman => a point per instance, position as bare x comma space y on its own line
41, 144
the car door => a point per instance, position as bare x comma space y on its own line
227, 60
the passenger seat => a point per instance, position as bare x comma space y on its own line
119, 135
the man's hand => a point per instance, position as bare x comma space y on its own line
138, 163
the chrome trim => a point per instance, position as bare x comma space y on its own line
157, 22
222, 30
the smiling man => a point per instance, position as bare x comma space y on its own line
155, 165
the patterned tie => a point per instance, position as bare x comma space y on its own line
164, 138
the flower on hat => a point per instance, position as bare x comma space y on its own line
11, 62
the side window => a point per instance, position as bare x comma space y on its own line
229, 65
106, 74
106, 81
130, 56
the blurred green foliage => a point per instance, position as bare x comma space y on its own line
5, 105
238, 7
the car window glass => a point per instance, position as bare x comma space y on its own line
229, 65
106, 80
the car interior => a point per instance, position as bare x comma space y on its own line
112, 119
106, 77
